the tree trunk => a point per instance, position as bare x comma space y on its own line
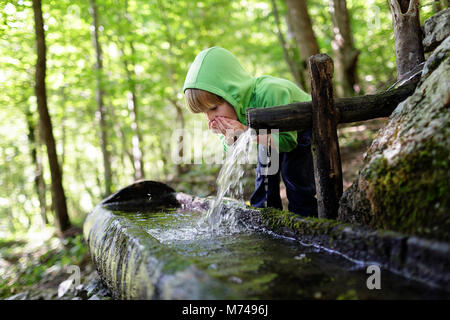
181, 168
346, 55
99, 97
301, 26
407, 34
296, 71
39, 182
136, 140
59, 198
63, 127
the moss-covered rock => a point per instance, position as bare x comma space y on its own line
404, 184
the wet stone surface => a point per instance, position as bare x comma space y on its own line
259, 265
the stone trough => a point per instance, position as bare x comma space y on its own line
145, 245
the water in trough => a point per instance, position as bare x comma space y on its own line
262, 265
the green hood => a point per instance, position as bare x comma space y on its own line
218, 71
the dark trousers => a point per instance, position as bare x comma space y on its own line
297, 170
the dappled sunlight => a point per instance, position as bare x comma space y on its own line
92, 100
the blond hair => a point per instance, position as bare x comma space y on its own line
198, 100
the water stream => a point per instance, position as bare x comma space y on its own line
229, 182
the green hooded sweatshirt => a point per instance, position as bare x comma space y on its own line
218, 71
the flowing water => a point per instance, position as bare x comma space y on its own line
229, 182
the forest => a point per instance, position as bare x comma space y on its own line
91, 99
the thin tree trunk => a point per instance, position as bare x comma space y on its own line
99, 97
136, 140
302, 28
59, 198
181, 168
80, 175
63, 128
180, 116
118, 129
408, 35
295, 70
346, 56
39, 182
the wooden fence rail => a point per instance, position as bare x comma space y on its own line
298, 116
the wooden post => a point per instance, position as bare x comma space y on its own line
325, 145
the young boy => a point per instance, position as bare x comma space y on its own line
217, 85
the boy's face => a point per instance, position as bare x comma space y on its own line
224, 110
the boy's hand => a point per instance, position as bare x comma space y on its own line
213, 126
231, 129
231, 125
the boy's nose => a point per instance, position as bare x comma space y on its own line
210, 116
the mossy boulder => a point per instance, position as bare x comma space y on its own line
404, 182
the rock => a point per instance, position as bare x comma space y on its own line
436, 29
404, 181
442, 52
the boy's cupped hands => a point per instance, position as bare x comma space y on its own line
231, 129
226, 126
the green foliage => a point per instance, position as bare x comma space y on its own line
147, 47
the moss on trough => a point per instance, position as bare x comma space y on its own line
276, 220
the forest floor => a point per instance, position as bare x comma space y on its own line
48, 268
32, 268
